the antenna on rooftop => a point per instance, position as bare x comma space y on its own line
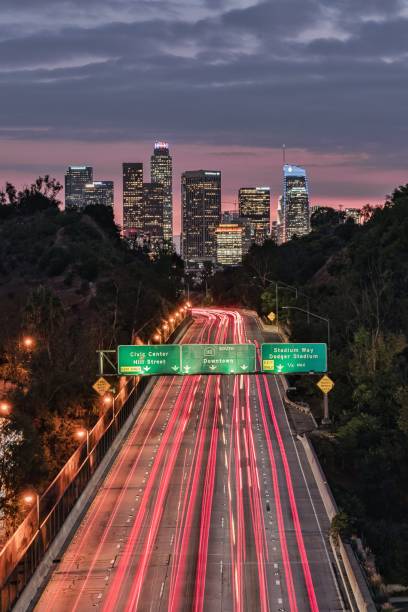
284, 154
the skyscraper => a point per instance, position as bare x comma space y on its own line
76, 177
255, 205
232, 217
161, 171
353, 213
201, 214
295, 202
153, 212
280, 223
132, 198
98, 192
230, 243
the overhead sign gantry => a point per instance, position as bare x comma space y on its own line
185, 359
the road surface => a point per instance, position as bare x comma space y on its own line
209, 505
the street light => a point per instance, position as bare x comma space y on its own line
30, 498
281, 285
326, 414
28, 342
107, 399
316, 317
297, 292
83, 434
5, 408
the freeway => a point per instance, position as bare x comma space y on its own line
209, 505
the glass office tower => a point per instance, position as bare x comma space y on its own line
161, 171
296, 215
76, 177
99, 192
255, 205
201, 215
132, 198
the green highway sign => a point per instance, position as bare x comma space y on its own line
147, 360
218, 358
294, 358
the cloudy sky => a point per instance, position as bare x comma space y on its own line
226, 82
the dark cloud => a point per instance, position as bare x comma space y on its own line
304, 72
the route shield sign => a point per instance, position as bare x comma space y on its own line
147, 360
294, 358
218, 358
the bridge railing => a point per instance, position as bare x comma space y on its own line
25, 549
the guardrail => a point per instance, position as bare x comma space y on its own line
25, 549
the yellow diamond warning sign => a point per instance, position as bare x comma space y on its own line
101, 386
325, 384
272, 316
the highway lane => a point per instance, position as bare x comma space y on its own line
209, 503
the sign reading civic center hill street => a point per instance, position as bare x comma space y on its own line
294, 358
142, 360
218, 358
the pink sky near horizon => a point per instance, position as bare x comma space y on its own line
334, 179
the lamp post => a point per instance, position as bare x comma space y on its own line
316, 317
5, 409
297, 292
81, 434
30, 498
280, 285
326, 415
28, 343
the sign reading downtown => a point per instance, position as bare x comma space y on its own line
136, 360
218, 358
294, 358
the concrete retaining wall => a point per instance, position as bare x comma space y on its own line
353, 570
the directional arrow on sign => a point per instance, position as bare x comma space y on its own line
146, 368
213, 367
279, 368
187, 369
244, 367
175, 368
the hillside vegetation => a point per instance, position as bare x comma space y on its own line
69, 282
358, 277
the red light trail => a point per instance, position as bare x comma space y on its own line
211, 436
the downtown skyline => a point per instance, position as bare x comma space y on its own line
239, 168
327, 79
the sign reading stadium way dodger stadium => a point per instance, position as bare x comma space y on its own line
294, 358
136, 360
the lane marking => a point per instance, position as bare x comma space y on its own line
311, 501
